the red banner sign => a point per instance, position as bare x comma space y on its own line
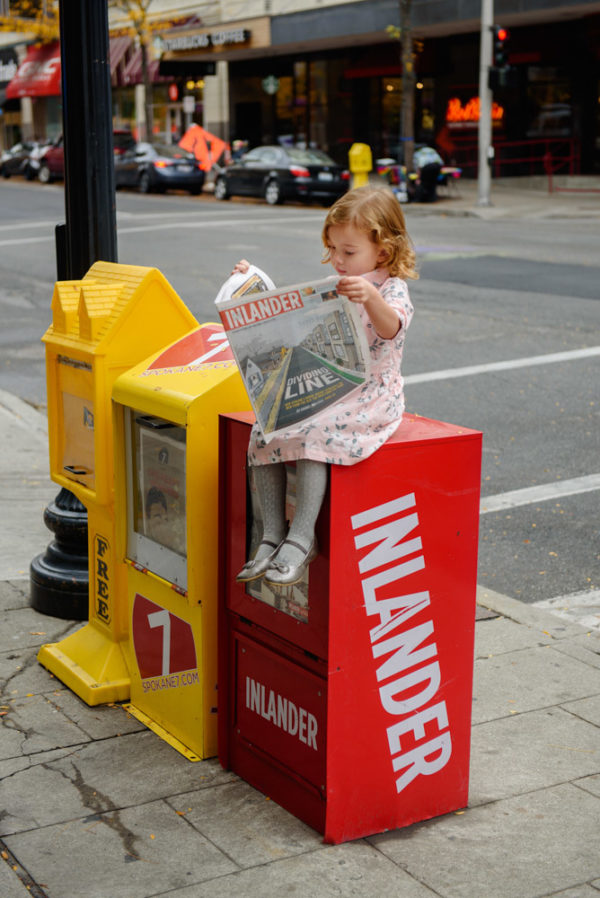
38, 75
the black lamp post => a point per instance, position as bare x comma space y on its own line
59, 577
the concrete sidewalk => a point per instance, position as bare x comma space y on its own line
92, 804
523, 198
517, 198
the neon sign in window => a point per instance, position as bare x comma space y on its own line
459, 115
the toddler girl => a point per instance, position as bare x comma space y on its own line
366, 241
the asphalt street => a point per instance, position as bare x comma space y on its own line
505, 339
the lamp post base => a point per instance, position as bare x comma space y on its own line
59, 578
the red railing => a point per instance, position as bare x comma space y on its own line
521, 157
552, 165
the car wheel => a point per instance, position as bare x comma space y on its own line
221, 189
144, 183
29, 174
273, 193
45, 174
195, 191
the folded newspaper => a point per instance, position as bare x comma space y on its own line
299, 348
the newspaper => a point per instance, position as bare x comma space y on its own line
299, 348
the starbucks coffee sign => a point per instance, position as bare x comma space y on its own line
219, 37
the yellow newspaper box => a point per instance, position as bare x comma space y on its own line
101, 326
166, 437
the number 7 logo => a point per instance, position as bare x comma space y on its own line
219, 338
163, 643
208, 343
163, 619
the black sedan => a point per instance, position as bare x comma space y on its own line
279, 173
158, 167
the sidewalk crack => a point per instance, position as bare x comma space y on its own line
103, 810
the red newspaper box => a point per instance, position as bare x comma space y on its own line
347, 699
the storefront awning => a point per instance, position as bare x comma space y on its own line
117, 52
39, 73
133, 70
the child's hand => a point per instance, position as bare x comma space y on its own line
357, 289
241, 267
384, 318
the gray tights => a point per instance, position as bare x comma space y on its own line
311, 483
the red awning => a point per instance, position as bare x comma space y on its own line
118, 49
38, 75
133, 70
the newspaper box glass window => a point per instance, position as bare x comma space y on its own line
156, 537
293, 599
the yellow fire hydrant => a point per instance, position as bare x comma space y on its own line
360, 162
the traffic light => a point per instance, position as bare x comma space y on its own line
501, 75
500, 47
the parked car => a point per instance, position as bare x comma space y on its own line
159, 167
31, 168
122, 140
279, 173
14, 160
52, 162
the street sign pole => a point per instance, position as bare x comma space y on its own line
485, 105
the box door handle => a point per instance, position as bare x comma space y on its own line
153, 423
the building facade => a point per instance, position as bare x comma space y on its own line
328, 73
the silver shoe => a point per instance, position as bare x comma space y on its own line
280, 573
253, 569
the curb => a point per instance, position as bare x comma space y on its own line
530, 616
24, 414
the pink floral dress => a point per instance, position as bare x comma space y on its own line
354, 427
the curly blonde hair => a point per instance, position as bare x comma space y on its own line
376, 211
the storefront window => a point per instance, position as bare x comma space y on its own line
597, 139
53, 118
549, 96
160, 118
391, 110
318, 104
341, 132
124, 108
300, 101
424, 101
285, 109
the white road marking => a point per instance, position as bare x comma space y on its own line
223, 222
508, 365
181, 223
541, 493
28, 224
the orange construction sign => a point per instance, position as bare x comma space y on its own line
206, 147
